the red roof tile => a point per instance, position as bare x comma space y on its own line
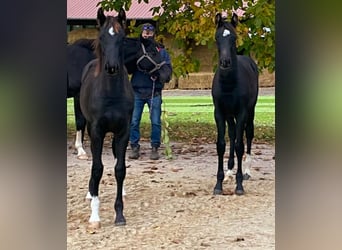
86, 9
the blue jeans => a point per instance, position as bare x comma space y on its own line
155, 114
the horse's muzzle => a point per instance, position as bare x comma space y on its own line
225, 63
112, 70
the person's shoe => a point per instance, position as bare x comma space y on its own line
154, 154
134, 153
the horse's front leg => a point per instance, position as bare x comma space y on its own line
96, 175
220, 149
239, 148
119, 146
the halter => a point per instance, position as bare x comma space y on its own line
157, 66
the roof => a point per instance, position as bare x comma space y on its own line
86, 9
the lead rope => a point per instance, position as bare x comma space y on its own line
153, 78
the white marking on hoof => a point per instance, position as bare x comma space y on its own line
95, 207
247, 164
81, 154
88, 196
229, 175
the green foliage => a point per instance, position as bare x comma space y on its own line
261, 44
191, 22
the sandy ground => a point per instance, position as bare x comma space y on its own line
169, 203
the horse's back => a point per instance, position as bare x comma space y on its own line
249, 67
85, 43
249, 78
78, 55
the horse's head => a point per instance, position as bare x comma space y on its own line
226, 41
109, 42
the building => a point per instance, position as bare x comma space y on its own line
82, 13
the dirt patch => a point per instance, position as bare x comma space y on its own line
170, 205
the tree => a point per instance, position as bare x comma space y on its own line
191, 22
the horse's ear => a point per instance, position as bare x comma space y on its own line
234, 20
101, 18
218, 19
122, 17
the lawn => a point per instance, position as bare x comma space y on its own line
191, 118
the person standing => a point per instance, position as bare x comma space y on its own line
148, 90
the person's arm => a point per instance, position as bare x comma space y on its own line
165, 72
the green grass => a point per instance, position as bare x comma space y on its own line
191, 118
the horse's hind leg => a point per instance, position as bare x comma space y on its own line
96, 175
80, 128
232, 137
249, 137
239, 148
119, 145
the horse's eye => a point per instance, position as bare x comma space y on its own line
111, 31
226, 33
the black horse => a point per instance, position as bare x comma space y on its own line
143, 55
234, 92
107, 102
79, 54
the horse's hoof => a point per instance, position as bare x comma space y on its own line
246, 177
120, 222
239, 192
82, 157
217, 191
93, 227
